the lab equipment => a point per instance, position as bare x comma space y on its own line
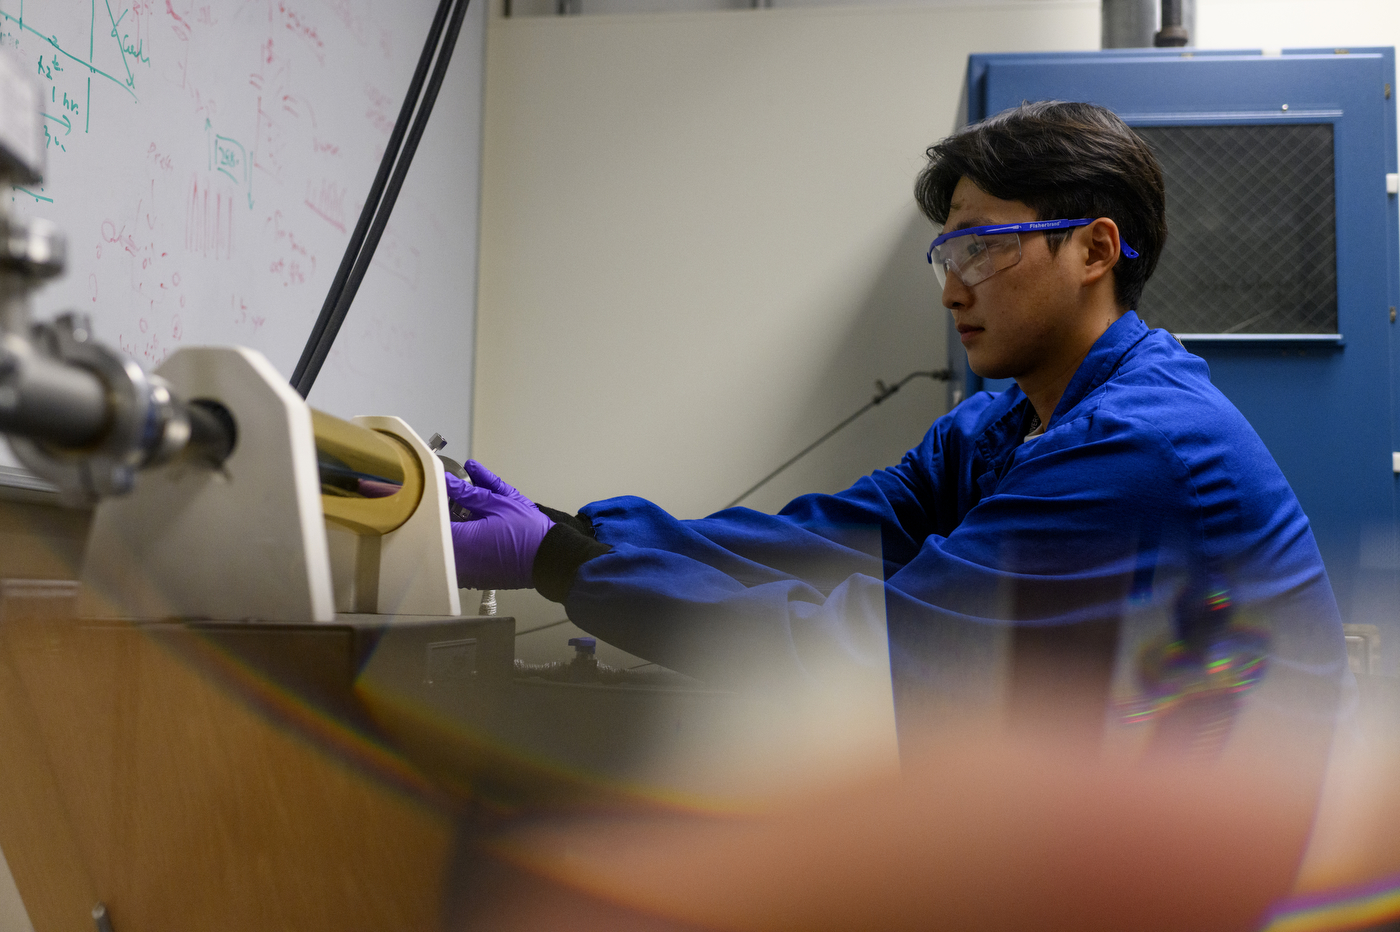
218, 493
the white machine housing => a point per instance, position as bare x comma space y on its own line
250, 540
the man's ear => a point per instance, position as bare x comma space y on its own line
1102, 247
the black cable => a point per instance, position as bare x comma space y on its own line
376, 189
386, 207
882, 392
380, 204
381, 217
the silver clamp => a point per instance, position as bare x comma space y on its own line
146, 427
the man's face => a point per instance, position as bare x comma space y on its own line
1023, 321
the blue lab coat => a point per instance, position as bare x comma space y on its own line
1147, 493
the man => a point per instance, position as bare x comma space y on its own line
1112, 510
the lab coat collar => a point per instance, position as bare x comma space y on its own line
1104, 356
1000, 440
1003, 436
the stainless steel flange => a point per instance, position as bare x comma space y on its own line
144, 424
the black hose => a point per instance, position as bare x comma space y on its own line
383, 194
376, 189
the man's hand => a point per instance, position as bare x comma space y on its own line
496, 549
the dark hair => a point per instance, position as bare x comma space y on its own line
1064, 161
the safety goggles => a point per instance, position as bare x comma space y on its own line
975, 254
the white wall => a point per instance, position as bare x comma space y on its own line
1279, 24
1256, 24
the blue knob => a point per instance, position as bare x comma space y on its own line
584, 645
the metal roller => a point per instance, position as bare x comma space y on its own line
371, 482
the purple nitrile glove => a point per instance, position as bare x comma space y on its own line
496, 549
484, 478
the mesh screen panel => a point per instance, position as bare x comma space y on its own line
1252, 238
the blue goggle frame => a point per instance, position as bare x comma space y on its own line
1030, 226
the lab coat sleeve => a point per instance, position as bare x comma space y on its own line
692, 594
874, 527
1079, 523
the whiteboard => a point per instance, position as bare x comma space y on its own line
207, 160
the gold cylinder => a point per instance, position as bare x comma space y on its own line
360, 448
374, 453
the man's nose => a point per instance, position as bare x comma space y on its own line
955, 293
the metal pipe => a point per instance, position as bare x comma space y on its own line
69, 409
1173, 33
48, 400
1128, 24
1132, 24
86, 418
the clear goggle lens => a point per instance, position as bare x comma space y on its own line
975, 257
